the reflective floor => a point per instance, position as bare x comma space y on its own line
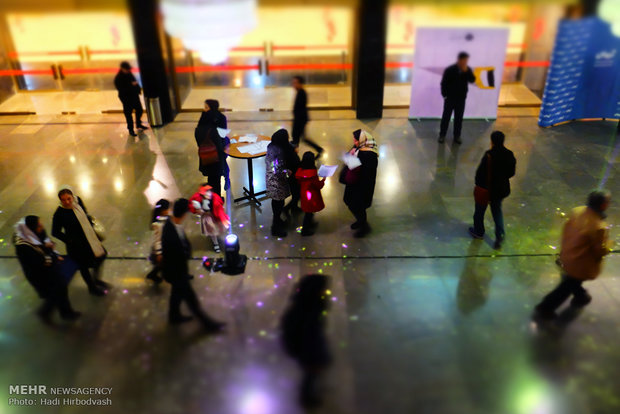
237, 99
422, 319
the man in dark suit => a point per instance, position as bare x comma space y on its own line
454, 91
176, 250
129, 94
496, 168
300, 116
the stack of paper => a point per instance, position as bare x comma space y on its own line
251, 138
254, 149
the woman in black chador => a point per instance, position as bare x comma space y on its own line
40, 263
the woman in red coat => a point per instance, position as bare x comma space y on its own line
310, 192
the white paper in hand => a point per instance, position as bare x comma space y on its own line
351, 161
327, 170
223, 132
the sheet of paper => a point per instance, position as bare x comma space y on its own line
327, 170
254, 149
251, 138
223, 132
351, 161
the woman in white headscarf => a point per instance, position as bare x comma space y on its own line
73, 226
360, 176
40, 263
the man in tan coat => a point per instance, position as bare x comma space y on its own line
584, 244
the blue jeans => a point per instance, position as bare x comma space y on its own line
498, 218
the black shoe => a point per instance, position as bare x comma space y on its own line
307, 232
319, 154
497, 245
45, 315
100, 283
140, 126
96, 291
457, 140
71, 316
216, 248
475, 235
355, 225
154, 278
277, 231
213, 326
441, 139
581, 300
133, 134
362, 231
177, 320
543, 315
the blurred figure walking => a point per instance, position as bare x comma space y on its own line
454, 91
300, 116
493, 175
303, 334
176, 251
161, 212
129, 93
585, 241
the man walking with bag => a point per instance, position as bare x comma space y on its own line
585, 241
493, 185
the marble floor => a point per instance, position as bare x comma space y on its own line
422, 318
236, 99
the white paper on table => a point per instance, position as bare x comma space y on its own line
223, 132
233, 141
248, 138
351, 161
327, 170
254, 149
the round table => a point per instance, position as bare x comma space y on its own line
233, 151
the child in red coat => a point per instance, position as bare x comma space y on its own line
214, 222
310, 191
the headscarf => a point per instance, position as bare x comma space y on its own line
24, 231
280, 138
87, 227
26, 235
366, 142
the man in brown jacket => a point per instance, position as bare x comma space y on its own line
584, 244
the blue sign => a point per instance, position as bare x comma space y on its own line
584, 77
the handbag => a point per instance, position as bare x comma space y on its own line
207, 151
99, 229
482, 195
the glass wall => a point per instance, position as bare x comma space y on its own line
312, 41
68, 51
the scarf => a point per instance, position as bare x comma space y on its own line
367, 143
87, 227
24, 236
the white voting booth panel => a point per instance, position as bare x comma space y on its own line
437, 48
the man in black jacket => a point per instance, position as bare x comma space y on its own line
300, 116
129, 94
176, 250
493, 174
454, 91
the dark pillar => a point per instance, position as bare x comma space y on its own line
369, 58
147, 38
